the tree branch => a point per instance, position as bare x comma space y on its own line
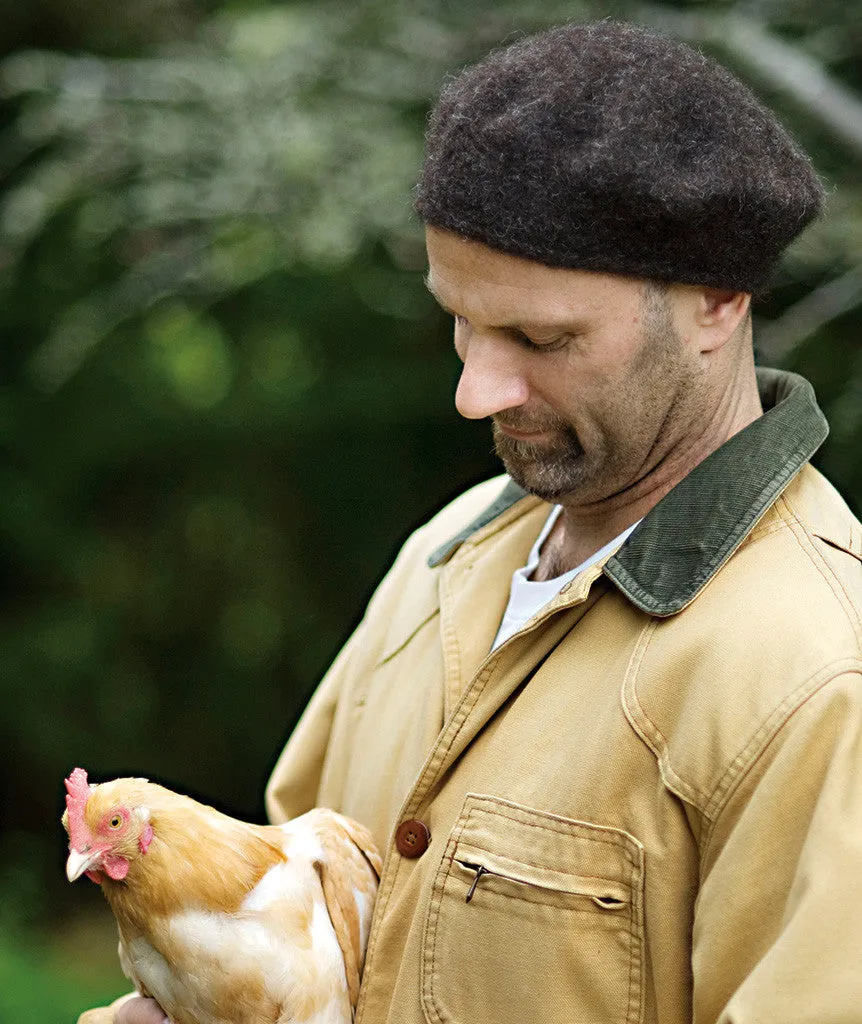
777, 339
781, 64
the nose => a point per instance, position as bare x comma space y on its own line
491, 380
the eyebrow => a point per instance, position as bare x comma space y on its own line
528, 328
426, 280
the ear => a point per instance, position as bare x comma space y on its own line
350, 865
718, 314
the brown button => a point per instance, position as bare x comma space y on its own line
412, 838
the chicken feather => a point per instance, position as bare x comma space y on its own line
224, 922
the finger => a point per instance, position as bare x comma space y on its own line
100, 1015
140, 1011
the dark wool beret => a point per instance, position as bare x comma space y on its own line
607, 147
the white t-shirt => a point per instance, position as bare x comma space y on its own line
527, 596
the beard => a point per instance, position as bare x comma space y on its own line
641, 406
549, 469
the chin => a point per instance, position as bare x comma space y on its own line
551, 472
548, 483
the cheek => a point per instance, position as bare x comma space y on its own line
599, 398
605, 418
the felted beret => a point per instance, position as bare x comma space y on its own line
608, 147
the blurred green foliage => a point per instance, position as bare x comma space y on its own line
225, 395
45, 984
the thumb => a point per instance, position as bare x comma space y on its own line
139, 1010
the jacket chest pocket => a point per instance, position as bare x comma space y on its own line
534, 918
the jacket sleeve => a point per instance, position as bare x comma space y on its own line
295, 780
778, 921
297, 776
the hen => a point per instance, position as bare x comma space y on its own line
224, 922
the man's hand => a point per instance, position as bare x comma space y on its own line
140, 1011
131, 1009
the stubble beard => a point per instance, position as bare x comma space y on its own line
550, 470
560, 467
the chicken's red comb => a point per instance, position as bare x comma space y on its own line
77, 795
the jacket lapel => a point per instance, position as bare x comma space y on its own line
497, 676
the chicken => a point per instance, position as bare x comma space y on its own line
224, 922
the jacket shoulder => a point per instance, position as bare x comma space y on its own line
823, 513
408, 597
710, 687
453, 519
812, 530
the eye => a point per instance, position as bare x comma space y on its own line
552, 345
116, 821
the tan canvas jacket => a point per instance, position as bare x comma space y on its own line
646, 805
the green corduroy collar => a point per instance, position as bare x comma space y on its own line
683, 542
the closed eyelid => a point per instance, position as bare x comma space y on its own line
548, 344
519, 333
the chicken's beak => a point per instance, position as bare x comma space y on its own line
77, 863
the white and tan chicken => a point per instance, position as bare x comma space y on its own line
224, 922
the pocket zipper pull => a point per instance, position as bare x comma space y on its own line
479, 872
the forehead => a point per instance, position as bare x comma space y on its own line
490, 286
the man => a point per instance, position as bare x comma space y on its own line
604, 717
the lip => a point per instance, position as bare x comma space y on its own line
521, 435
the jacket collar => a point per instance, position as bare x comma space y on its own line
686, 538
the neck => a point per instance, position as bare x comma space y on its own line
584, 528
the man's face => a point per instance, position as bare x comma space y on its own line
586, 381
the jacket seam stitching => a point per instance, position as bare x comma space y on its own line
636, 958
839, 545
831, 579
374, 937
818, 561
762, 530
438, 902
386, 658
652, 735
461, 715
450, 643
622, 843
766, 734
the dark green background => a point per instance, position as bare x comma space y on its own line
225, 396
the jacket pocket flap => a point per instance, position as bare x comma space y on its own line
497, 864
546, 849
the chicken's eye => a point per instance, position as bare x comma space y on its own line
116, 821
